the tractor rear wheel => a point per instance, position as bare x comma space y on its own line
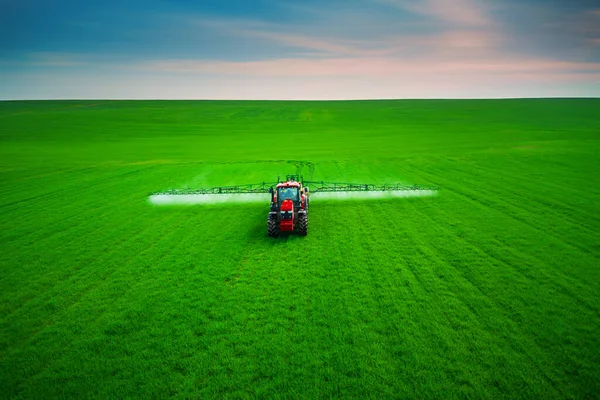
302, 224
272, 228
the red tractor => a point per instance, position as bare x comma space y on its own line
289, 207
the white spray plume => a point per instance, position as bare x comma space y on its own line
185, 199
360, 195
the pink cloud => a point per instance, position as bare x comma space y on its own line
366, 67
282, 35
467, 39
473, 31
152, 85
312, 43
464, 13
551, 77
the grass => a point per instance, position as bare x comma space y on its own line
488, 290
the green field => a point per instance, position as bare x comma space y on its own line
488, 290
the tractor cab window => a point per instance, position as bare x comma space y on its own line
288, 193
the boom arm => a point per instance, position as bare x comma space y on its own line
363, 187
317, 186
250, 188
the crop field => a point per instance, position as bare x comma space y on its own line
488, 290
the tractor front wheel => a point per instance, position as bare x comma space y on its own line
302, 224
272, 228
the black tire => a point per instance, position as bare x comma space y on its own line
272, 227
302, 224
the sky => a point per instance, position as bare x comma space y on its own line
298, 49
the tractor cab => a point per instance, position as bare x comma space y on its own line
291, 190
288, 191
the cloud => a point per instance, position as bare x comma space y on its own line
369, 67
459, 28
467, 40
316, 44
463, 13
467, 31
89, 84
320, 44
291, 37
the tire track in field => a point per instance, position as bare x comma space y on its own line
49, 257
336, 282
181, 231
88, 207
547, 277
562, 288
54, 193
420, 290
70, 189
66, 232
83, 191
63, 192
552, 207
39, 173
65, 185
549, 205
373, 257
89, 272
475, 317
552, 204
557, 268
39, 251
76, 298
552, 282
375, 301
535, 169
98, 190
468, 177
85, 203
115, 229
510, 215
546, 180
468, 194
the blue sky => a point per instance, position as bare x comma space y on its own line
289, 49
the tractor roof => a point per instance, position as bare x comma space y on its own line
288, 184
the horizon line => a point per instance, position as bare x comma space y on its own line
319, 100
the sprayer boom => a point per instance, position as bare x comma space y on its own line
363, 187
316, 187
250, 188
289, 199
